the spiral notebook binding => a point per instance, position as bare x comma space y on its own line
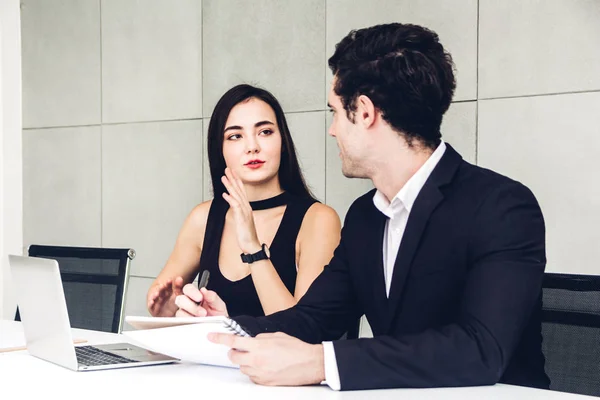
235, 328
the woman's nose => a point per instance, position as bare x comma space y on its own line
252, 146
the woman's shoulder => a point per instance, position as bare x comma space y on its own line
321, 215
199, 214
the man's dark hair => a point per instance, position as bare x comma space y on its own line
406, 73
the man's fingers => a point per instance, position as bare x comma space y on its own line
271, 335
191, 291
247, 370
226, 339
240, 357
231, 340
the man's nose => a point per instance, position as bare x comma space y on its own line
330, 131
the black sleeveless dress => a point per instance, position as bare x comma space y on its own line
241, 296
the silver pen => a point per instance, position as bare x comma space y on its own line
204, 279
203, 282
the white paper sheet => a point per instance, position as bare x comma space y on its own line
143, 322
187, 342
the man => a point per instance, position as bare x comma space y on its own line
444, 258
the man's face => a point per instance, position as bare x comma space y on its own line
349, 138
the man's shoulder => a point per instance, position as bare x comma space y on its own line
363, 203
479, 182
482, 179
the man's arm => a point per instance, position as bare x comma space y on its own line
500, 292
325, 312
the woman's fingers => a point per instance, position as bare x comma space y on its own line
233, 203
237, 182
230, 185
186, 304
160, 293
182, 313
177, 285
193, 293
213, 299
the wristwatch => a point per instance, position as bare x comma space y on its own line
262, 254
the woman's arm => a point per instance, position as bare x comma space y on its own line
318, 237
182, 264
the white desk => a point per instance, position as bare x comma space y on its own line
27, 375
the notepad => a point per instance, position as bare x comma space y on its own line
185, 338
141, 322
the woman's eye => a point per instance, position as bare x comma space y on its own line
235, 136
266, 132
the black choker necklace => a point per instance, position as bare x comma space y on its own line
272, 202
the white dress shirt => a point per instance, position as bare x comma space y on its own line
397, 212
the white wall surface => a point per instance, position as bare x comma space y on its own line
11, 208
117, 96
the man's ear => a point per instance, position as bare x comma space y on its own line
366, 111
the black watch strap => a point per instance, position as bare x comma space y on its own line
259, 255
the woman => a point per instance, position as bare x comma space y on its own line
261, 207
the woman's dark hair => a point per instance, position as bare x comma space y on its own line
290, 176
405, 72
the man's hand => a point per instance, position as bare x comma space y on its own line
199, 303
275, 359
161, 300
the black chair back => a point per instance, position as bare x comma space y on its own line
571, 332
94, 281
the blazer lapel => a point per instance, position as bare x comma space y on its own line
374, 269
428, 199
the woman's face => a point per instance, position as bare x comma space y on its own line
252, 142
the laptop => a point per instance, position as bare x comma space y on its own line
46, 325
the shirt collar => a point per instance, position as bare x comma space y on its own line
406, 197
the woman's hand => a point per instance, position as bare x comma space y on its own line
242, 213
199, 303
161, 300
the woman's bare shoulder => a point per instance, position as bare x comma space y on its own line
321, 216
199, 214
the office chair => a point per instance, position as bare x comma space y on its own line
95, 284
571, 332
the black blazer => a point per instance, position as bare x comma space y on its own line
465, 299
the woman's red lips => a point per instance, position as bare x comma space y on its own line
254, 164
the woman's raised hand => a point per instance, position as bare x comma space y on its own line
242, 213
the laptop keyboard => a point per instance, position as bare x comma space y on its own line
92, 356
